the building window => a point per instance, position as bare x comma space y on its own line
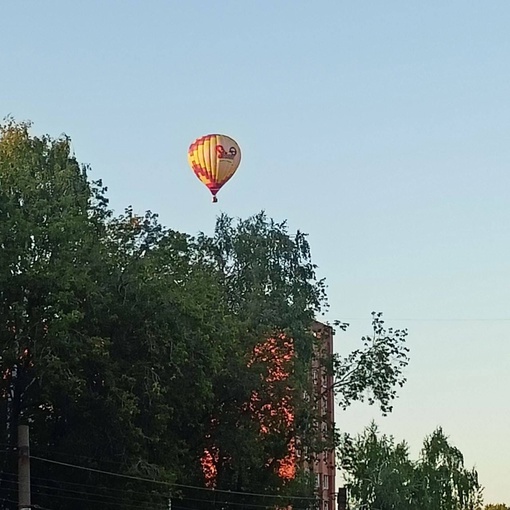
326, 505
325, 482
324, 405
317, 480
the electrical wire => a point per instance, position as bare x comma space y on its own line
130, 504
37, 448
54, 488
234, 503
93, 470
37, 507
167, 484
431, 319
76, 484
117, 501
113, 503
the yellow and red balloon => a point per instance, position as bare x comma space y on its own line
214, 159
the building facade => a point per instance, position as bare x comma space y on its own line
324, 468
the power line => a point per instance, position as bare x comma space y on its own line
430, 319
106, 497
168, 484
127, 503
76, 484
103, 498
37, 507
117, 499
222, 502
93, 470
91, 500
73, 456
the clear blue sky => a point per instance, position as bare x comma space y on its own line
381, 128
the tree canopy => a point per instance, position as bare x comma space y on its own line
134, 349
381, 476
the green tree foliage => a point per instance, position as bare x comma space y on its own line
382, 477
374, 371
271, 291
442, 480
130, 348
378, 470
498, 506
51, 221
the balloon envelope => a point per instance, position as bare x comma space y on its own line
214, 159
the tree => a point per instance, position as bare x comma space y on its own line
135, 349
105, 320
379, 471
442, 481
381, 476
272, 290
51, 220
498, 506
377, 367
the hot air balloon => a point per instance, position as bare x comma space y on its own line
214, 159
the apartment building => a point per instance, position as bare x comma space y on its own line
324, 468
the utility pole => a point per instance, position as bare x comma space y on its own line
23, 468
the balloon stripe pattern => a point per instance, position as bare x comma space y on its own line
214, 159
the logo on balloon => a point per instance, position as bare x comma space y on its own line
223, 154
